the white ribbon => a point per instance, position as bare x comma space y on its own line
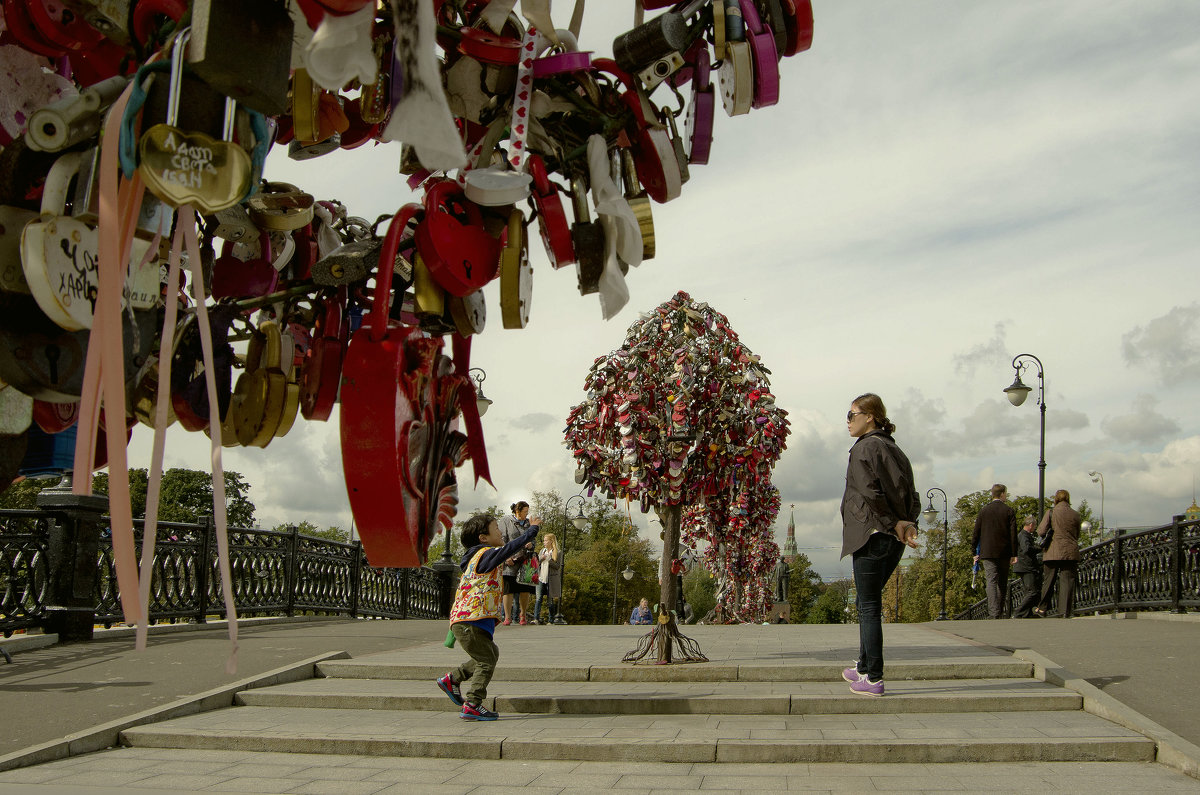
341, 50
622, 235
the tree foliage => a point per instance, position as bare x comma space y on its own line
804, 585
832, 605
186, 495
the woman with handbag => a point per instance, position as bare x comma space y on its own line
549, 578
513, 526
1061, 558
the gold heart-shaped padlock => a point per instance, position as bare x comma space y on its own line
192, 168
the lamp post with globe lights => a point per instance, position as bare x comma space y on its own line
1017, 392
931, 516
1098, 477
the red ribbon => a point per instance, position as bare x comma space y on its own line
461, 346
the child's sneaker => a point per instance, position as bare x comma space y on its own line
477, 712
450, 688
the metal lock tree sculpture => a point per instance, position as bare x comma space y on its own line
680, 415
739, 550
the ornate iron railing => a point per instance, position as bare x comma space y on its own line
24, 569
1156, 569
271, 573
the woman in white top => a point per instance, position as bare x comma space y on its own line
549, 578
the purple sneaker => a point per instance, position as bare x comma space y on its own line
450, 688
865, 687
851, 675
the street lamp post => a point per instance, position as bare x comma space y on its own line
1099, 478
481, 400
579, 521
617, 575
930, 515
1017, 392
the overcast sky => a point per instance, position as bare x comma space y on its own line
942, 186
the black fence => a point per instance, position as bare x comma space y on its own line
1156, 569
272, 574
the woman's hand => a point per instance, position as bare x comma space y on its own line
907, 532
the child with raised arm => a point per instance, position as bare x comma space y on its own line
477, 609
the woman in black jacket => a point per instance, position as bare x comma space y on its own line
879, 515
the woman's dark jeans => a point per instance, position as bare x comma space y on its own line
873, 565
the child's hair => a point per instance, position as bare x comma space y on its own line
473, 528
516, 506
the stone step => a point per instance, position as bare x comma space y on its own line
663, 698
1041, 736
392, 667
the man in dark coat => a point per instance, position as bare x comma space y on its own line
995, 538
1029, 567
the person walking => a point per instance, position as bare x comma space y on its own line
1029, 567
879, 517
996, 539
513, 526
549, 578
1061, 558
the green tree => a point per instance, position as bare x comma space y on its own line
803, 586
700, 590
307, 528
185, 495
832, 605
455, 536
23, 494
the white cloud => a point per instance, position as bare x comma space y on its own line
1143, 425
1169, 345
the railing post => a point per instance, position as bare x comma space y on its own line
446, 570
208, 537
404, 591
1118, 568
1176, 565
293, 559
72, 551
355, 577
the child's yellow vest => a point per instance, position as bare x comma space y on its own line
478, 595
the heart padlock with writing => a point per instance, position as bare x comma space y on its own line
192, 168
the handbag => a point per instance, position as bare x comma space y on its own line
1043, 542
527, 572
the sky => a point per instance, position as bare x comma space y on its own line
941, 187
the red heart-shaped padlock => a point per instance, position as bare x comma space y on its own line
460, 255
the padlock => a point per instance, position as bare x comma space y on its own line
301, 150
233, 223
192, 168
460, 255
798, 18
496, 187
59, 255
764, 55
469, 313
735, 24
141, 402
351, 262
16, 410
773, 17
677, 146
71, 120
516, 274
673, 31
428, 296
375, 100
259, 397
639, 202
552, 220
223, 33
587, 238
306, 96
736, 78
154, 217
236, 278
660, 70
321, 370
281, 207
699, 126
